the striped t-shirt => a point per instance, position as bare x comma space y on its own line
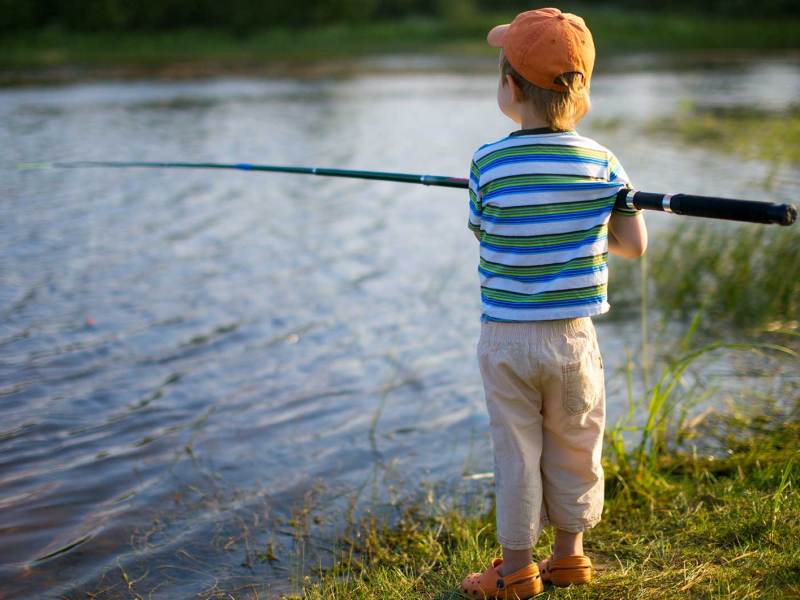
541, 201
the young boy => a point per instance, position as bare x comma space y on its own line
542, 206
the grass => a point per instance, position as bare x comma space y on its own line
677, 523
615, 31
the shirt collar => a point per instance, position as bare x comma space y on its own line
538, 131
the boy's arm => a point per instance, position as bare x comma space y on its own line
627, 234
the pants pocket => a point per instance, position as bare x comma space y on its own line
583, 383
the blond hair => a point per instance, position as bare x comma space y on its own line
561, 110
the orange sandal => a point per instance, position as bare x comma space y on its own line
566, 570
519, 585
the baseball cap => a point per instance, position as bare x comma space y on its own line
544, 43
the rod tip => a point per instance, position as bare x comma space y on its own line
29, 166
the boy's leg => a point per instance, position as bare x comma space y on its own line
514, 406
567, 543
514, 560
573, 408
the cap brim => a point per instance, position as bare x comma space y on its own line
496, 35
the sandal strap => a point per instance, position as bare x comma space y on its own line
525, 575
503, 582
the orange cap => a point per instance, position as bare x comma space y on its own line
545, 43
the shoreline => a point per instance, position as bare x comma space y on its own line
378, 63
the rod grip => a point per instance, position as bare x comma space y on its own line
750, 211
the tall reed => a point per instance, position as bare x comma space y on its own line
655, 423
745, 275
745, 278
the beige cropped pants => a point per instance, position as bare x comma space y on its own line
545, 393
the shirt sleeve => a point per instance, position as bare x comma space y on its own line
475, 204
617, 174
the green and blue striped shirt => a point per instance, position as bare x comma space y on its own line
541, 201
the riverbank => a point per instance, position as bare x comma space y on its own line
57, 55
695, 525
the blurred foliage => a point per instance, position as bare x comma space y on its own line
745, 8
241, 16
751, 132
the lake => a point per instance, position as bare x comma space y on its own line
205, 377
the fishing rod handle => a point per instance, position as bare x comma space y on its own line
750, 211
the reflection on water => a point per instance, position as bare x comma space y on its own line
194, 363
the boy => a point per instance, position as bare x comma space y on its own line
542, 206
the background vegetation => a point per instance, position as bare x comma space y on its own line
243, 15
205, 37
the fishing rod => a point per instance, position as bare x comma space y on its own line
750, 211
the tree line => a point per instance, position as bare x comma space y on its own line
246, 15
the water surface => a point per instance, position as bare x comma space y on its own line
196, 368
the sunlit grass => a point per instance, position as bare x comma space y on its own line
704, 529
